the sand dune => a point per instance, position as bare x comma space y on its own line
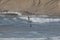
47, 7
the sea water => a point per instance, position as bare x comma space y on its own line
19, 27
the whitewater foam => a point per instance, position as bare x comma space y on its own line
35, 19
11, 13
41, 20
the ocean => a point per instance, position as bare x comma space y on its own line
37, 27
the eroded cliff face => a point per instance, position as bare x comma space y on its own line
47, 7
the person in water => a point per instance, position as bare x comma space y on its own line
29, 21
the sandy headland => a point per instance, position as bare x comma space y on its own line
32, 7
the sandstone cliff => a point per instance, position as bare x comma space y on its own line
47, 7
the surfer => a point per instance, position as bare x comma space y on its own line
29, 21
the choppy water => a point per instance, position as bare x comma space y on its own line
19, 27
8, 20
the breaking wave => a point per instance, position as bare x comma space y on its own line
6, 19
25, 19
